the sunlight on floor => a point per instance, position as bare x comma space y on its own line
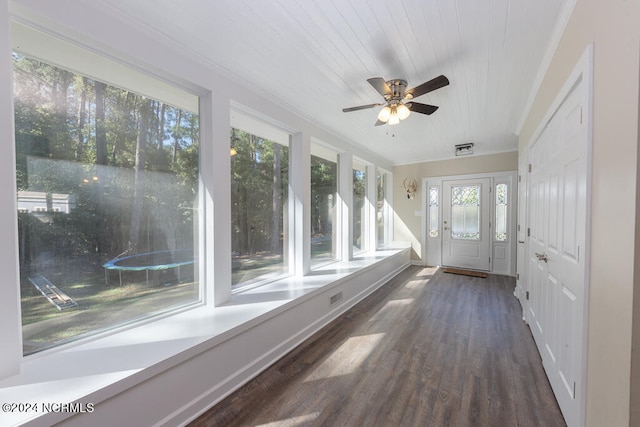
397, 306
347, 358
394, 303
292, 422
416, 283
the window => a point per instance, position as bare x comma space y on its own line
381, 208
324, 198
107, 183
501, 212
465, 206
359, 218
259, 194
434, 226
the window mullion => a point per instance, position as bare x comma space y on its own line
345, 194
216, 173
300, 187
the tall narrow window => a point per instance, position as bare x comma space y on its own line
501, 212
259, 183
107, 184
359, 206
324, 198
381, 211
434, 226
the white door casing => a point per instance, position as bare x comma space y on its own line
466, 237
521, 233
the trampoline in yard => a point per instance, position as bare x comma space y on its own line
150, 261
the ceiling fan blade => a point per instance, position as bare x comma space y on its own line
380, 123
427, 87
381, 86
361, 107
421, 108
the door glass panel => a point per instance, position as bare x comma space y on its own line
465, 212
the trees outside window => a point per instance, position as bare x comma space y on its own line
259, 194
359, 207
107, 184
324, 199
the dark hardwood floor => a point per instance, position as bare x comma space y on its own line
427, 349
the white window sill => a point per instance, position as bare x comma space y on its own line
92, 371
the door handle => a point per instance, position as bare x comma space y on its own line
520, 241
542, 257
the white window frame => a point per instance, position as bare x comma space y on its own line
366, 218
52, 50
244, 119
387, 209
322, 150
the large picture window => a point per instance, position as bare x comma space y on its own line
107, 184
259, 194
324, 202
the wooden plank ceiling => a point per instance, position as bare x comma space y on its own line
314, 57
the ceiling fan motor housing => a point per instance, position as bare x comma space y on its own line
398, 87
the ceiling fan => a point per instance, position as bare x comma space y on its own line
394, 93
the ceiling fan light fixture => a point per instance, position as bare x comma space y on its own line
394, 119
403, 111
384, 114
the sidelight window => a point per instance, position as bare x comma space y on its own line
434, 226
501, 212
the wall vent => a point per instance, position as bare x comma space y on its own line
335, 298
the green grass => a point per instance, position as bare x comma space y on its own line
99, 307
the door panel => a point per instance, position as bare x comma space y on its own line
466, 238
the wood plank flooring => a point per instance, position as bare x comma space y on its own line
427, 349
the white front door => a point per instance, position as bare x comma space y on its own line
556, 258
466, 237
